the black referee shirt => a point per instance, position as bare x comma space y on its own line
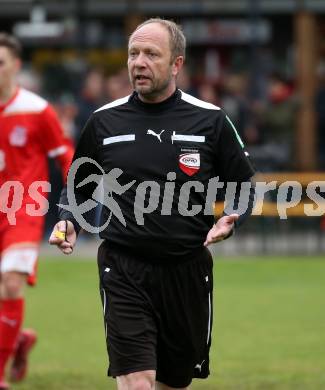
184, 135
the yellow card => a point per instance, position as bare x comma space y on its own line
60, 235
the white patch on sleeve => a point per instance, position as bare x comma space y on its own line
119, 138
197, 102
57, 151
115, 103
26, 102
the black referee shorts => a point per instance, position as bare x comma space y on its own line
157, 316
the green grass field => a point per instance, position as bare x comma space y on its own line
269, 326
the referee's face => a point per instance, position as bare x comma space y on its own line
152, 71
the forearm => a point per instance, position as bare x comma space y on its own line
241, 203
67, 215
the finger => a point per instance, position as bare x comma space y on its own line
67, 251
233, 217
219, 235
62, 230
61, 226
65, 244
58, 233
213, 240
207, 240
54, 240
218, 239
206, 243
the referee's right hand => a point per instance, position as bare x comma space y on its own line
64, 236
222, 229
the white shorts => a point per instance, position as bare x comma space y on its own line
22, 260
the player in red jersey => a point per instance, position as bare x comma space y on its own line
29, 133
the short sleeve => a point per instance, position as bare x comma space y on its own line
86, 148
53, 138
232, 161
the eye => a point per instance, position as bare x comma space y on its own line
132, 54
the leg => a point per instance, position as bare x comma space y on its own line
141, 380
12, 285
17, 265
185, 323
161, 386
11, 314
129, 325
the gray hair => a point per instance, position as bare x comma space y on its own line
177, 39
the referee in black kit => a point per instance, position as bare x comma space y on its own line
159, 148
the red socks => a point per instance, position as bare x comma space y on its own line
11, 317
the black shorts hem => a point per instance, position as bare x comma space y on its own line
126, 371
177, 383
204, 376
174, 384
180, 382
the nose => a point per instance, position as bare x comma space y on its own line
140, 61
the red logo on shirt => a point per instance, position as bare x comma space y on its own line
189, 163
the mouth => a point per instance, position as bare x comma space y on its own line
141, 77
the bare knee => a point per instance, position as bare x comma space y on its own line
12, 285
142, 380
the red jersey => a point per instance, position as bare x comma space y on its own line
29, 133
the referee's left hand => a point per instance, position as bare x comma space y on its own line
64, 236
222, 229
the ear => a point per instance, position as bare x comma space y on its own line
18, 65
178, 64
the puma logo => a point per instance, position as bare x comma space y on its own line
151, 132
199, 366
